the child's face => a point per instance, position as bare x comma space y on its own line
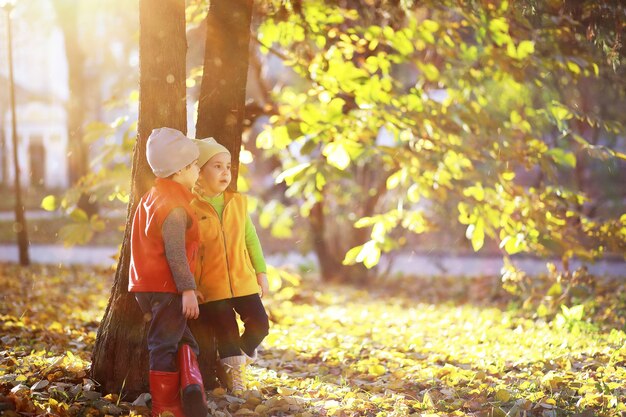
188, 175
215, 174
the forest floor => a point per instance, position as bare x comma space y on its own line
395, 347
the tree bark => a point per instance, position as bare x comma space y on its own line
120, 356
330, 268
221, 105
221, 109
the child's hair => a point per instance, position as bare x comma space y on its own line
169, 150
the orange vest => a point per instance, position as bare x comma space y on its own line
224, 266
149, 270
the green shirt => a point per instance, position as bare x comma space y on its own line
252, 239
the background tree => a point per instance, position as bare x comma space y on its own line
162, 102
444, 111
67, 12
221, 105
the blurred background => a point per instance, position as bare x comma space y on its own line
379, 137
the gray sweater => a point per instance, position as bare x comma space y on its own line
173, 231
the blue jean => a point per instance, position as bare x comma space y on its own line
221, 316
168, 328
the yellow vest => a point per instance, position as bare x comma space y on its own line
224, 269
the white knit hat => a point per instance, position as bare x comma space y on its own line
208, 149
168, 151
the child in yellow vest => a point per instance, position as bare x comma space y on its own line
231, 268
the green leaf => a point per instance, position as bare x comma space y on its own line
525, 48
562, 157
560, 112
499, 29
290, 174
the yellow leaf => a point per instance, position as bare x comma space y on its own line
49, 203
56, 327
503, 395
428, 401
377, 370
337, 155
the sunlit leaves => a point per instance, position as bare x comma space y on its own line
277, 218
273, 138
499, 29
289, 175
368, 254
562, 157
475, 232
337, 155
472, 105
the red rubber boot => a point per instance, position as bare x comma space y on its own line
165, 392
194, 398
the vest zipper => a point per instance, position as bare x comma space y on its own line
230, 281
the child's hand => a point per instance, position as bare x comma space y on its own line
261, 279
190, 305
199, 296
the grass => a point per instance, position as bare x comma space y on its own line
400, 347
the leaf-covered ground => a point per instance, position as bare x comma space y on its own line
398, 348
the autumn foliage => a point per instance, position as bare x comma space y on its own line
403, 347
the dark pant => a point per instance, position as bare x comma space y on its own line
221, 316
168, 328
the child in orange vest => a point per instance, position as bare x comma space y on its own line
232, 269
164, 244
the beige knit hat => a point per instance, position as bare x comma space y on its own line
208, 149
169, 150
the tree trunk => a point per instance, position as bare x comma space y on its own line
331, 245
221, 104
3, 151
221, 109
120, 356
78, 152
20, 215
67, 16
330, 268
